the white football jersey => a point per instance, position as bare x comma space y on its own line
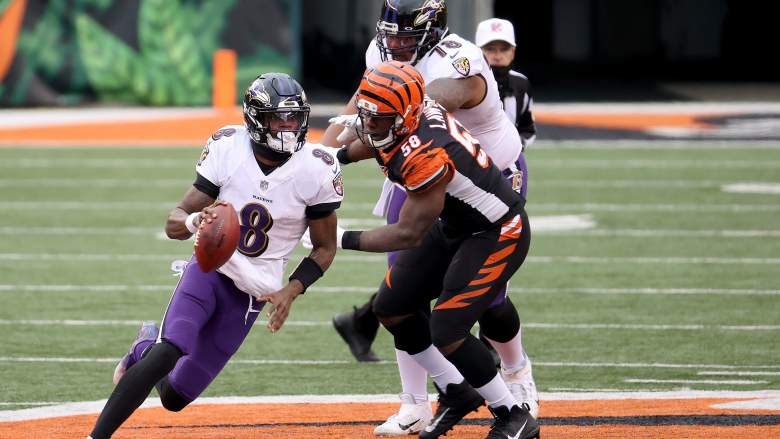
455, 58
271, 208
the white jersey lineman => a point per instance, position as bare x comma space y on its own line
456, 58
272, 209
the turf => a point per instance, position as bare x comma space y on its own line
81, 240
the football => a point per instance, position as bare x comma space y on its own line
216, 241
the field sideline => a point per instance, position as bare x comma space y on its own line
649, 298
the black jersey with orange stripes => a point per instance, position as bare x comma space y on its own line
478, 196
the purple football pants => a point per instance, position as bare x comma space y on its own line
398, 196
207, 320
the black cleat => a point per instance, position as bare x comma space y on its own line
460, 400
359, 344
514, 424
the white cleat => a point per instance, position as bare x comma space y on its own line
410, 419
521, 384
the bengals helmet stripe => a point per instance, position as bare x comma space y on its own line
402, 103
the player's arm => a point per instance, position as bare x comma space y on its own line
419, 212
323, 238
194, 201
333, 130
354, 152
458, 93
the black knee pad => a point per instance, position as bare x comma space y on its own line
170, 399
447, 328
474, 362
412, 334
500, 323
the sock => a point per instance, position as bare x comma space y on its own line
366, 322
497, 394
513, 357
414, 378
134, 387
441, 371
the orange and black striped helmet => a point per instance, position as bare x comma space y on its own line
391, 89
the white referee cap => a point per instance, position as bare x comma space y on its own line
494, 29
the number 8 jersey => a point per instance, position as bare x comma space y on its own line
478, 196
273, 209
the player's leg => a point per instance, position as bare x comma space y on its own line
414, 378
192, 303
500, 325
481, 268
358, 327
403, 308
220, 338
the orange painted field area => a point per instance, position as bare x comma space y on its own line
635, 419
192, 129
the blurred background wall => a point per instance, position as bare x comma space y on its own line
159, 52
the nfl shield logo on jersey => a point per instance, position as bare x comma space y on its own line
462, 65
264, 185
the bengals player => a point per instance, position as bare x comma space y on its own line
463, 232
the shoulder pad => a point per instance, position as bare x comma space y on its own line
455, 58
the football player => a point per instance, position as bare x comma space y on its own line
462, 233
279, 185
458, 78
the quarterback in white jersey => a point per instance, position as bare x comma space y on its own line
273, 209
279, 185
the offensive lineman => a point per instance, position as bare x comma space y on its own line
459, 79
462, 233
279, 185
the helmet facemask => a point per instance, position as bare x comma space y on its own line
422, 43
282, 130
379, 138
276, 115
422, 22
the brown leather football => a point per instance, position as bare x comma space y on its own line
216, 241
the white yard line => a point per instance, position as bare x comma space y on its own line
371, 183
548, 228
654, 144
655, 163
713, 382
535, 325
145, 206
305, 362
738, 373
752, 188
663, 260
341, 289
671, 163
94, 407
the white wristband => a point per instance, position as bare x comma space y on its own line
189, 223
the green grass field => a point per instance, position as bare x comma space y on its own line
676, 285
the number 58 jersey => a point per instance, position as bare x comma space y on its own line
273, 209
478, 196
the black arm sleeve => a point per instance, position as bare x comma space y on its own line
318, 211
204, 185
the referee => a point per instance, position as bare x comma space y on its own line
496, 37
